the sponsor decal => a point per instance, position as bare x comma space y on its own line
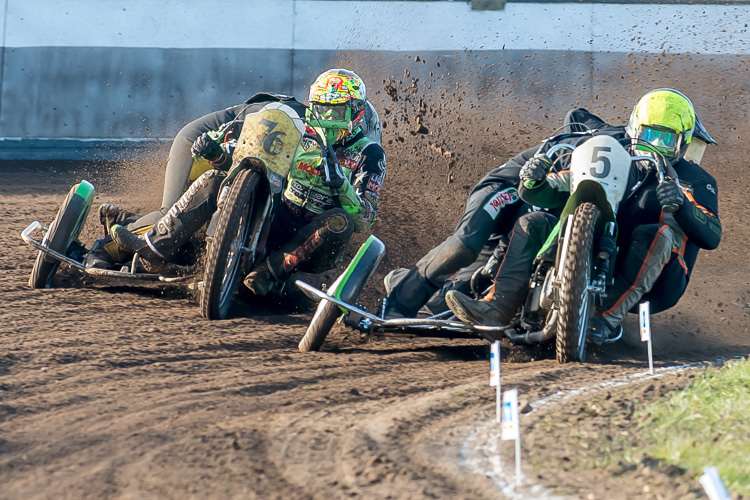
348, 163
308, 169
307, 196
504, 197
348, 159
275, 180
374, 186
711, 189
309, 144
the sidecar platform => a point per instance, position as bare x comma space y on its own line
124, 272
442, 325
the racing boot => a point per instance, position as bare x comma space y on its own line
600, 331
152, 259
260, 280
99, 257
160, 243
109, 215
496, 309
407, 291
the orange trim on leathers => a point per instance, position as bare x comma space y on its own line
640, 273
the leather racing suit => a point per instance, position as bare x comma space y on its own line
657, 250
312, 224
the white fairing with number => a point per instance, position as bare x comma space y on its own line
601, 159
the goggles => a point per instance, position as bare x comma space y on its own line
667, 142
329, 115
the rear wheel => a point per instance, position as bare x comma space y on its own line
225, 253
576, 304
63, 233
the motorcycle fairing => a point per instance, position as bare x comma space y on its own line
601, 160
272, 135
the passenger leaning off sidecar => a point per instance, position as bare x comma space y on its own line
657, 250
314, 221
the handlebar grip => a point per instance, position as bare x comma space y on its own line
670, 208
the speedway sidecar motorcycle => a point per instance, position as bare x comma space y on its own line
565, 290
60, 244
236, 236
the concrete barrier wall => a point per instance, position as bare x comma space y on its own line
80, 75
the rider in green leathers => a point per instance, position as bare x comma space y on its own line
317, 216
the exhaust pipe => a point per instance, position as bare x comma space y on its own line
535, 337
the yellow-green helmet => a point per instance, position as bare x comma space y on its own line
664, 118
337, 103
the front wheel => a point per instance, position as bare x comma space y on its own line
576, 300
225, 253
62, 233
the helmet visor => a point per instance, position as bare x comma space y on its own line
666, 142
331, 115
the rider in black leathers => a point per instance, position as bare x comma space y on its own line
658, 251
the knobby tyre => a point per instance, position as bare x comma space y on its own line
325, 316
62, 232
224, 257
576, 301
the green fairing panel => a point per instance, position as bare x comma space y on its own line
592, 192
550, 239
86, 191
359, 270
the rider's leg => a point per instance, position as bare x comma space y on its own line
481, 218
314, 248
109, 215
649, 251
512, 280
180, 162
669, 287
462, 281
186, 216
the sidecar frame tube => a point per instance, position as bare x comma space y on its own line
36, 225
428, 327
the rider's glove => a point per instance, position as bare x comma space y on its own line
534, 170
670, 195
206, 148
332, 174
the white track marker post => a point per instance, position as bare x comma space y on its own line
511, 426
645, 322
495, 375
713, 485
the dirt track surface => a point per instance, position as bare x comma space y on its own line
122, 391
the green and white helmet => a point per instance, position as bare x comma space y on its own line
664, 118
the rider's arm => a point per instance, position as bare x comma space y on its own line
552, 192
360, 197
699, 214
226, 137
